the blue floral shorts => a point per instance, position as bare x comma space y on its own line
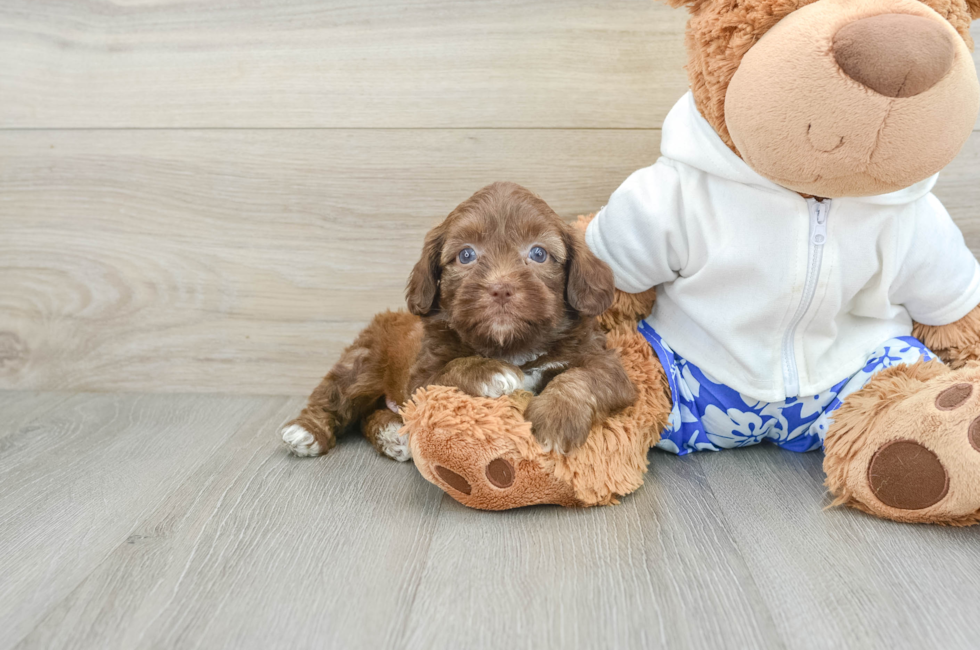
709, 415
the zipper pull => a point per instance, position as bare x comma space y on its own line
820, 227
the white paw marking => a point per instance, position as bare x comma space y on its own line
393, 444
300, 441
502, 383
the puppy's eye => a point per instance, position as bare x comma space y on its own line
467, 256
538, 255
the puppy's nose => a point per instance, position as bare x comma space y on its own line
501, 291
895, 55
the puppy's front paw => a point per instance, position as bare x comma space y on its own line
301, 442
504, 382
559, 423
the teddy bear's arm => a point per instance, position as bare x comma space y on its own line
956, 343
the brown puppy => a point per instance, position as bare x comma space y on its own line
504, 298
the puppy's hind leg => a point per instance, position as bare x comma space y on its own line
350, 391
383, 429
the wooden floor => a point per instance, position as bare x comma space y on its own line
179, 521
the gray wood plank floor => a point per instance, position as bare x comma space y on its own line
176, 521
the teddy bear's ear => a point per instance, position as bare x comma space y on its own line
974, 6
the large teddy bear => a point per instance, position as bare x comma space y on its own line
810, 290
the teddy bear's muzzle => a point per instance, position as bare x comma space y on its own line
854, 98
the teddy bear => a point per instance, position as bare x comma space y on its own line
784, 273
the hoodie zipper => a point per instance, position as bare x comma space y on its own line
819, 213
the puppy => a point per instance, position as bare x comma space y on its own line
504, 298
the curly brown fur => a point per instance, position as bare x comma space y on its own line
511, 317
370, 372
721, 32
535, 319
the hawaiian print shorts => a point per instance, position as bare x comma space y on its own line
709, 415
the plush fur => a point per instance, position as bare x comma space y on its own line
956, 343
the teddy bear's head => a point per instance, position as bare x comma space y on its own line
836, 97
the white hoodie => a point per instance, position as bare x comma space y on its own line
771, 294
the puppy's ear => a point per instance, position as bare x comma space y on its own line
423, 283
590, 288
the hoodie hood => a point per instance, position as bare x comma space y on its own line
689, 139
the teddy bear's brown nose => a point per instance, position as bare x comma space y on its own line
895, 55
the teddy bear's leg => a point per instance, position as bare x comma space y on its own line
907, 446
383, 429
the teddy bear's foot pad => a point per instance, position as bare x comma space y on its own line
909, 449
500, 473
500, 484
454, 480
904, 474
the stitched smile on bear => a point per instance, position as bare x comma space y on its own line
838, 97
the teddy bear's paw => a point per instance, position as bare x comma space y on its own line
922, 458
301, 442
938, 464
